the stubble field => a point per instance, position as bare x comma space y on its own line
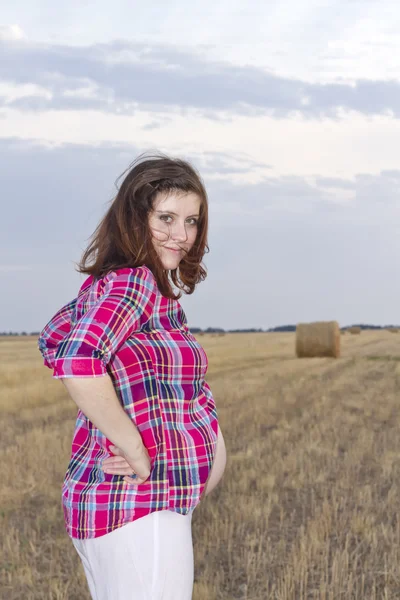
309, 504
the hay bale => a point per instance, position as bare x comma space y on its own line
318, 339
393, 329
354, 330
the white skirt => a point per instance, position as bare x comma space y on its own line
148, 559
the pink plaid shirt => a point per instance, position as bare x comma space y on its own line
122, 326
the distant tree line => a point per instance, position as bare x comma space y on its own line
281, 328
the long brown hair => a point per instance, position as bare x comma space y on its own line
123, 237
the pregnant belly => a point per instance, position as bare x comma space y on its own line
219, 463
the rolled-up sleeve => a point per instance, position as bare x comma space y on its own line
54, 332
125, 305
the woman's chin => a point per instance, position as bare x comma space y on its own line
170, 263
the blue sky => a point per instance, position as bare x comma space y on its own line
291, 114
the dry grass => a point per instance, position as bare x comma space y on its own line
309, 505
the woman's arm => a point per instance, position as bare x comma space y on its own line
97, 399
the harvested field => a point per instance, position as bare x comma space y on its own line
309, 504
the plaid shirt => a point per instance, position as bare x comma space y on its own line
122, 326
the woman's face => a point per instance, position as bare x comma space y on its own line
173, 225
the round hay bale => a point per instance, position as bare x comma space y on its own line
354, 330
318, 339
393, 329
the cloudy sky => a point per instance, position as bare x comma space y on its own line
291, 112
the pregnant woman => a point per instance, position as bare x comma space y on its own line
147, 446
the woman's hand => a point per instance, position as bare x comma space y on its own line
122, 464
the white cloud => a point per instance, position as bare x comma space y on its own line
89, 91
162, 76
9, 92
295, 146
313, 40
11, 32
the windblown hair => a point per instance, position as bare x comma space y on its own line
123, 237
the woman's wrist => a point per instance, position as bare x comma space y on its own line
134, 449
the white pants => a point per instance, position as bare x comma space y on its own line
148, 559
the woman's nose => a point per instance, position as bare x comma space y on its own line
179, 232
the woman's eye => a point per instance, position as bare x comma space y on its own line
166, 217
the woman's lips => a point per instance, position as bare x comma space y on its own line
177, 251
